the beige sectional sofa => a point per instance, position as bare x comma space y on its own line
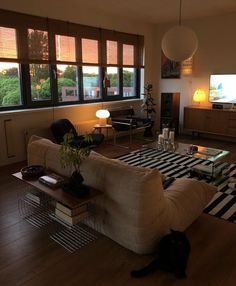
134, 210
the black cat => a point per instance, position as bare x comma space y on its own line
172, 256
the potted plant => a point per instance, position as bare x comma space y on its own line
72, 156
148, 101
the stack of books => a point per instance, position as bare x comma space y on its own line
34, 196
71, 216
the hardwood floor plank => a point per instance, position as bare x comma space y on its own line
29, 258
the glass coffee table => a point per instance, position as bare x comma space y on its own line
213, 155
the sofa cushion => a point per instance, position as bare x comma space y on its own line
186, 200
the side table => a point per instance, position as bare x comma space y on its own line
107, 127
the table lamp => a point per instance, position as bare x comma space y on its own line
102, 114
199, 95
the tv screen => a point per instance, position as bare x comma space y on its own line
222, 88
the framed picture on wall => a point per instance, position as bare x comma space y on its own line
169, 69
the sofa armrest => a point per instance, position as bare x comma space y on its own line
186, 200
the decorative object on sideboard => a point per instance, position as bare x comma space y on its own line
217, 106
72, 157
180, 42
199, 95
102, 114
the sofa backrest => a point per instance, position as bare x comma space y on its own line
132, 209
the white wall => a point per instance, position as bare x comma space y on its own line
216, 54
82, 113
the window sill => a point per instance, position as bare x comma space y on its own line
41, 109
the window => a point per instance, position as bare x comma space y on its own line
128, 82
68, 64
128, 55
39, 69
89, 51
38, 44
8, 48
67, 74
112, 52
91, 86
10, 94
40, 82
113, 77
67, 83
65, 48
10, 90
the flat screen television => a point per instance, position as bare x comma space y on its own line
222, 88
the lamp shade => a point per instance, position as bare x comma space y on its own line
199, 95
102, 113
179, 43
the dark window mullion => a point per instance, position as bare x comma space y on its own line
26, 78
102, 88
80, 83
120, 75
54, 84
137, 82
23, 84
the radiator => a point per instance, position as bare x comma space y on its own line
9, 137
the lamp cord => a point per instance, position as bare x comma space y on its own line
180, 8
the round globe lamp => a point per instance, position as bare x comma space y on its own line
102, 114
179, 43
199, 95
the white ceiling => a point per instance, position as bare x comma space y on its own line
160, 11
149, 11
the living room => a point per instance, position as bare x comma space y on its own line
30, 253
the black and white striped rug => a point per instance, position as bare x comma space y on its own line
223, 204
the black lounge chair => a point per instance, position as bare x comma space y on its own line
62, 126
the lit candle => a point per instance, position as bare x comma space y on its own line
166, 133
160, 139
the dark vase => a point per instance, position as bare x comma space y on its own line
75, 186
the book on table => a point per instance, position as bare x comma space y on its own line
71, 212
52, 180
71, 219
34, 196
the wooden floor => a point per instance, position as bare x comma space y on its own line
28, 257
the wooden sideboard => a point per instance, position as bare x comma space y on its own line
208, 120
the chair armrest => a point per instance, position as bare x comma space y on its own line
122, 119
122, 123
186, 200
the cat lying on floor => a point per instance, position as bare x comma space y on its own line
172, 256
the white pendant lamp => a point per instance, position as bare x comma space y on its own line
180, 42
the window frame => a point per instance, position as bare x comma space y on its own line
20, 22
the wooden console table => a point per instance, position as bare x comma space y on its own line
42, 214
212, 121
